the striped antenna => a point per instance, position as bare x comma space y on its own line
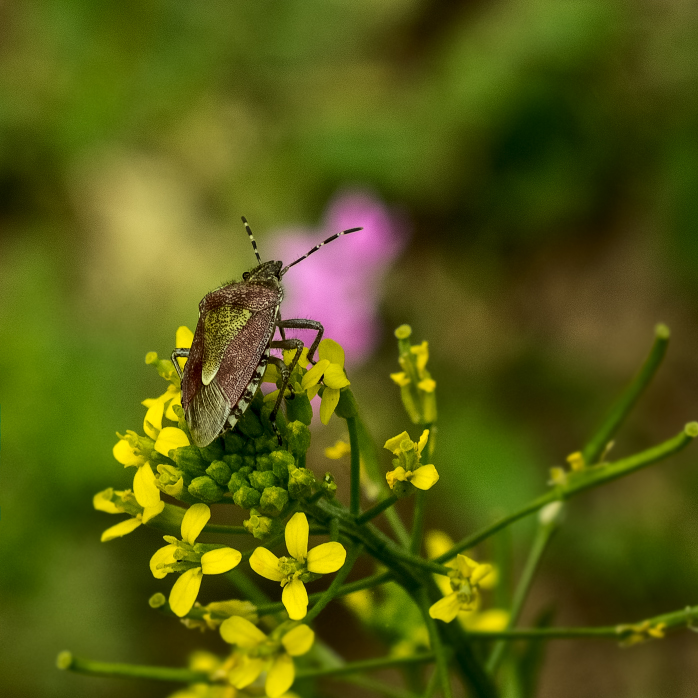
317, 247
252, 240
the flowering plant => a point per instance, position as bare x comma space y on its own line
431, 609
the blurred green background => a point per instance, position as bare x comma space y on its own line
545, 153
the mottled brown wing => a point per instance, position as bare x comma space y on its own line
207, 407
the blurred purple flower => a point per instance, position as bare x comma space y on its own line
340, 284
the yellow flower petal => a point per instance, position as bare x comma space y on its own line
333, 352
295, 598
479, 573
335, 377
313, 391
245, 671
314, 375
492, 620
121, 529
339, 450
298, 641
195, 518
102, 502
125, 454
330, 398
280, 676
185, 591
397, 475
422, 441
241, 632
465, 565
220, 560
144, 487
266, 564
183, 337
297, 531
428, 385
421, 351
326, 558
152, 423
393, 445
437, 543
446, 609
170, 438
400, 379
152, 512
163, 556
175, 400
425, 477
271, 374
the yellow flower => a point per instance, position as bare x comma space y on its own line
104, 501
191, 559
169, 439
144, 481
465, 583
301, 567
408, 467
257, 652
641, 632
329, 368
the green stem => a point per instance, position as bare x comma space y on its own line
578, 481
376, 510
625, 403
355, 475
431, 685
378, 686
336, 585
130, 671
418, 523
436, 645
365, 665
540, 543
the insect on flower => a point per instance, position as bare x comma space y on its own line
231, 347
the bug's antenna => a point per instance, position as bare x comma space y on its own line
252, 240
317, 247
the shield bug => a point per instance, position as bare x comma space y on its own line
231, 347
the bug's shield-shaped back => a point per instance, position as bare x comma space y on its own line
227, 357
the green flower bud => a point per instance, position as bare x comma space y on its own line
273, 501
281, 463
214, 451
233, 461
219, 471
346, 407
189, 460
263, 462
403, 489
328, 485
237, 480
249, 448
249, 425
249, 462
262, 527
298, 437
206, 489
265, 444
299, 409
263, 479
301, 482
234, 442
157, 600
245, 471
247, 497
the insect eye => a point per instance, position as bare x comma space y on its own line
246, 276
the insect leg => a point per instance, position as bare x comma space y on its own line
181, 353
283, 370
298, 345
305, 325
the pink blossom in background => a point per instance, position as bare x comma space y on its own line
340, 284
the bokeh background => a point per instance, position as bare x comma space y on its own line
536, 165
